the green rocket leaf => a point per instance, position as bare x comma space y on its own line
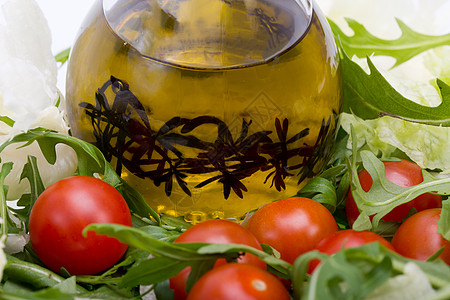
408, 45
384, 195
444, 221
370, 96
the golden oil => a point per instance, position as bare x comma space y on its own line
210, 108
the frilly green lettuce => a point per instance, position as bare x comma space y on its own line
427, 145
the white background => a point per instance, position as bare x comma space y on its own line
430, 17
64, 18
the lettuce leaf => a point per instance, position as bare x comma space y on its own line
424, 144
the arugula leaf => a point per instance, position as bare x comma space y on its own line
15, 291
300, 271
444, 221
63, 56
170, 258
370, 96
276, 263
197, 270
408, 45
112, 275
31, 173
350, 274
354, 273
67, 289
329, 188
338, 278
321, 190
160, 233
177, 223
6, 169
32, 274
144, 241
90, 161
384, 195
152, 271
7, 120
163, 291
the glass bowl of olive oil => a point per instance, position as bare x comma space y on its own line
209, 108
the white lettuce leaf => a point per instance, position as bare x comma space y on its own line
412, 285
15, 243
28, 92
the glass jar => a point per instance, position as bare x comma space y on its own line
210, 108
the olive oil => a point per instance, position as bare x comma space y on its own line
210, 108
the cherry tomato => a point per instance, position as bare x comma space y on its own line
344, 239
292, 226
403, 173
59, 216
418, 237
238, 281
218, 232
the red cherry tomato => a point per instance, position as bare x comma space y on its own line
59, 216
218, 232
292, 226
344, 239
238, 281
403, 173
418, 238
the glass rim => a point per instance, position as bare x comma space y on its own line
307, 6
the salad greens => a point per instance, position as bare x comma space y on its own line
371, 96
408, 45
385, 195
426, 145
6, 168
90, 162
63, 56
444, 222
367, 272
